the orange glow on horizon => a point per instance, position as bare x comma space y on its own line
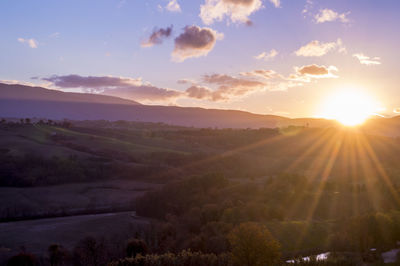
349, 107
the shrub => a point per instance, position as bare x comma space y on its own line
135, 246
253, 245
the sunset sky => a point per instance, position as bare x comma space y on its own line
282, 57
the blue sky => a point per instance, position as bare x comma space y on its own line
102, 38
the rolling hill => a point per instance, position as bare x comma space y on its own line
21, 92
19, 101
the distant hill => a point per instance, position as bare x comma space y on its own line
182, 116
21, 92
20, 101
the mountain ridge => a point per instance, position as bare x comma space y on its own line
23, 92
20, 101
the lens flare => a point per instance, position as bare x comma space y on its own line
349, 107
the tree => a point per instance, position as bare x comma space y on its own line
57, 254
135, 246
22, 259
89, 252
252, 245
66, 124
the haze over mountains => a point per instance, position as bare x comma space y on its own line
21, 92
24, 101
19, 101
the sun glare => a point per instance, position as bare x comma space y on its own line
349, 107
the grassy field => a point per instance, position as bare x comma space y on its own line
70, 199
315, 183
35, 236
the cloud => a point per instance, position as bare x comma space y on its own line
186, 81
16, 82
31, 42
131, 88
204, 93
77, 81
267, 55
227, 80
307, 7
144, 93
223, 87
328, 15
236, 10
157, 36
228, 87
304, 73
262, 73
194, 42
316, 48
173, 6
276, 3
366, 60
396, 110
55, 35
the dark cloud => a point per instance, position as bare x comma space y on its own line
308, 73
134, 89
227, 87
186, 81
199, 92
313, 70
317, 71
144, 92
194, 42
240, 2
157, 36
249, 23
76, 81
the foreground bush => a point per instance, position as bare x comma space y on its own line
253, 245
135, 247
90, 252
22, 259
185, 258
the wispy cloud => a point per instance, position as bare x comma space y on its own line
235, 10
307, 7
173, 6
223, 87
55, 35
194, 42
262, 73
16, 82
157, 36
121, 3
276, 3
317, 48
31, 42
328, 15
130, 88
267, 55
366, 60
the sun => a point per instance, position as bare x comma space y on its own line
349, 107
